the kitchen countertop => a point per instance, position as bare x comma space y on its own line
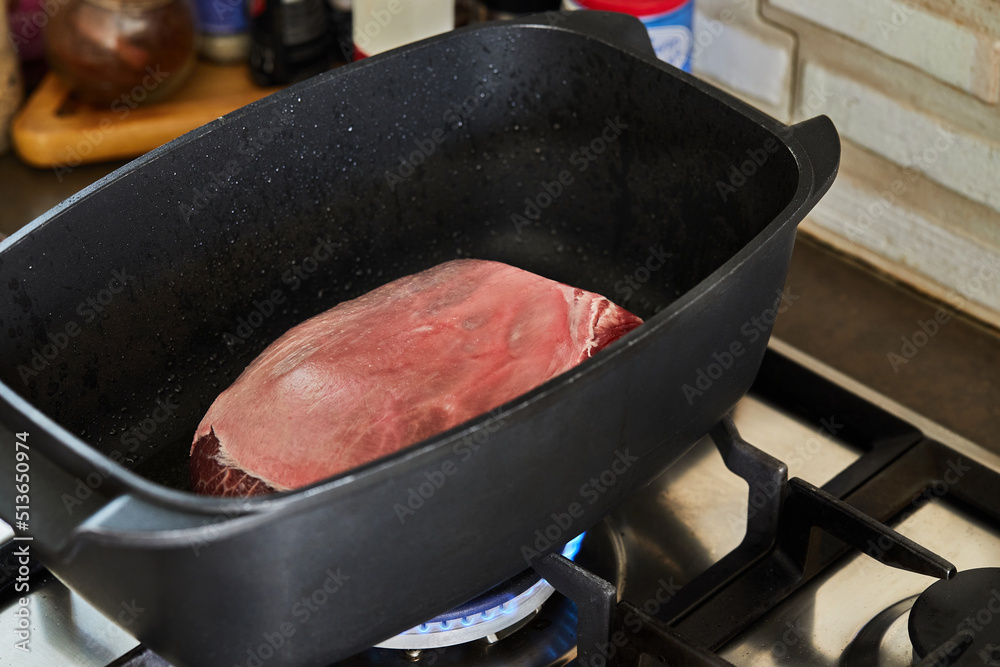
841, 313
853, 319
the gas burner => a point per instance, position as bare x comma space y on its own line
957, 621
953, 623
483, 618
497, 613
883, 641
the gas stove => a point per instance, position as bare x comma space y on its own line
822, 524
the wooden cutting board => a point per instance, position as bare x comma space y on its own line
54, 129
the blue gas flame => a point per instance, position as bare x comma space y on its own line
572, 547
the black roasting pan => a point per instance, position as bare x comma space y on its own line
559, 144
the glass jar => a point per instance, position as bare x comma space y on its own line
122, 50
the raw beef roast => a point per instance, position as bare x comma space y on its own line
393, 367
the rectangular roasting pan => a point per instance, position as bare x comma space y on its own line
131, 305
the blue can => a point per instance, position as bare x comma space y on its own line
223, 30
669, 23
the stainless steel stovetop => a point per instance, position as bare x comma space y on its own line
932, 486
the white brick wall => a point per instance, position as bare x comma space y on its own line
913, 86
881, 222
957, 54
963, 161
744, 62
736, 49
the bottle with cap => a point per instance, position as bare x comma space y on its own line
223, 30
380, 25
668, 22
289, 40
340, 30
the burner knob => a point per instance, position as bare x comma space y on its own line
958, 620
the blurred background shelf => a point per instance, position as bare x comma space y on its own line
54, 129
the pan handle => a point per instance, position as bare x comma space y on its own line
619, 30
64, 510
50, 502
820, 144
